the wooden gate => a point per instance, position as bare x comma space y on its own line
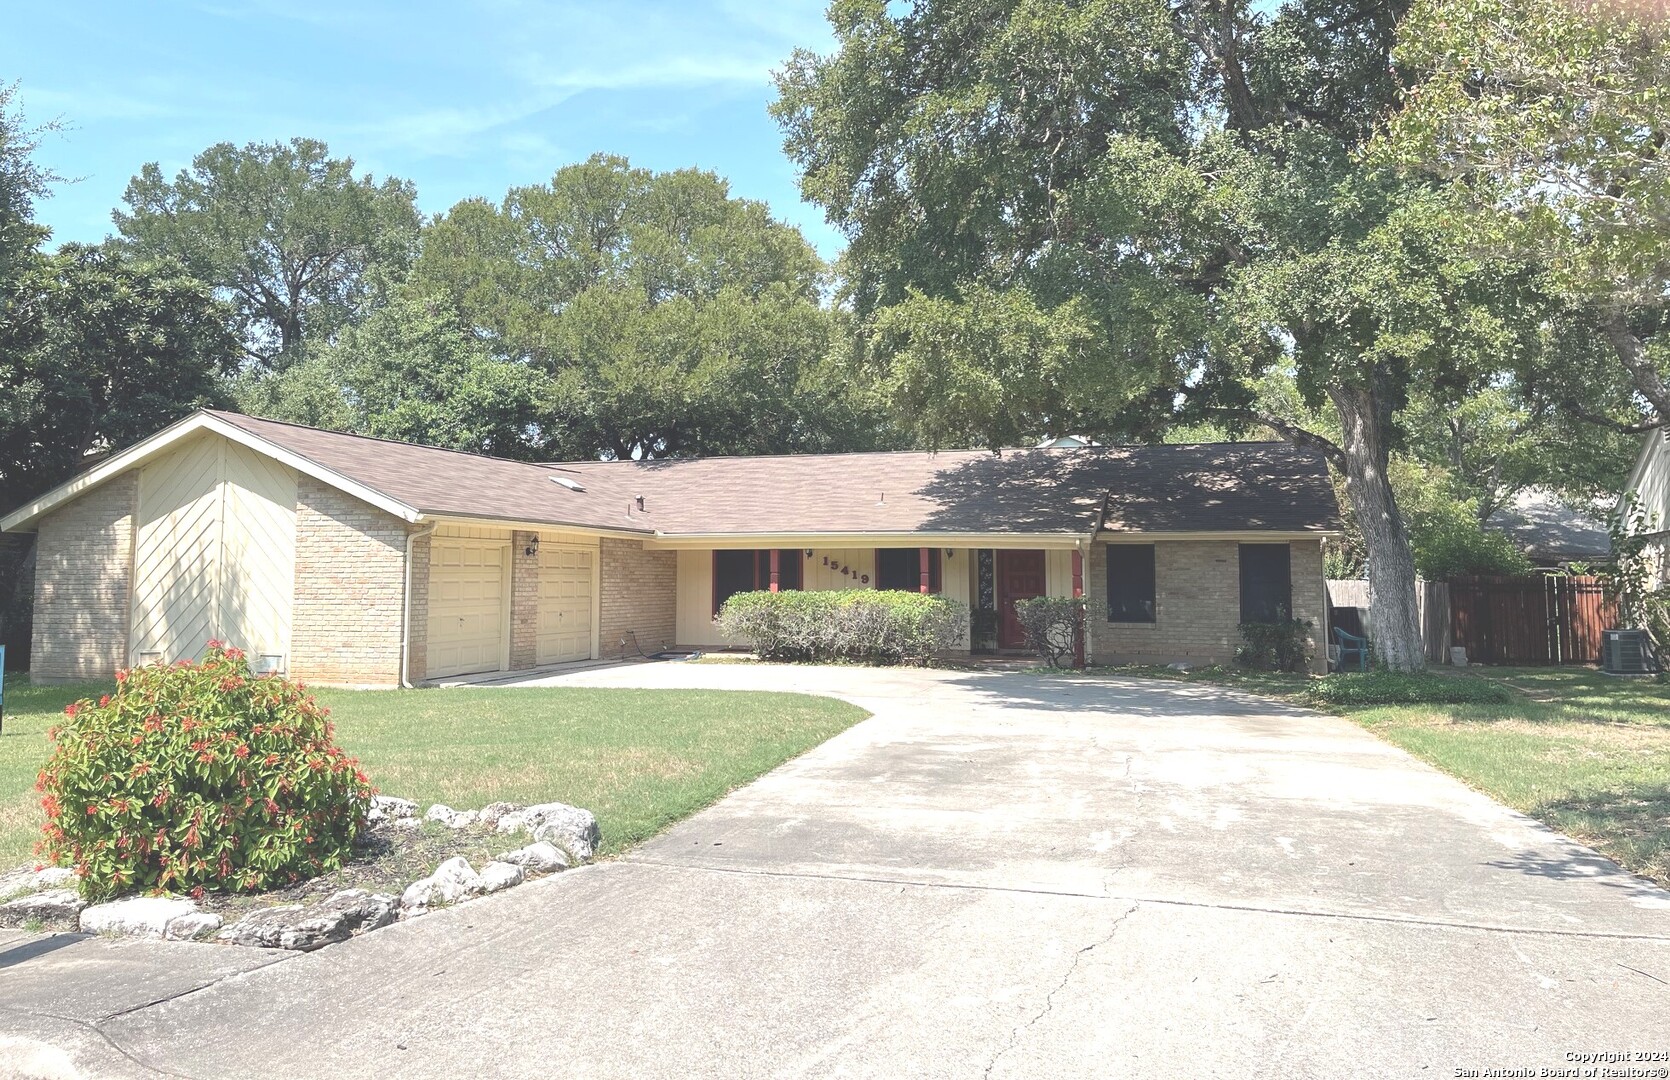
1529, 620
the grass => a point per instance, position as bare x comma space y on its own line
1585, 753
638, 759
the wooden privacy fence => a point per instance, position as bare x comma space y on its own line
1530, 620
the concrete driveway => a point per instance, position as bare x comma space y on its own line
999, 875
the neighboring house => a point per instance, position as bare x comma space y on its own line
1650, 480
1552, 532
349, 560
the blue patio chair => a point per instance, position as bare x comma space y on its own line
1351, 646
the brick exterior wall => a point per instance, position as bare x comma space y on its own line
83, 584
350, 589
524, 602
639, 595
417, 645
1197, 594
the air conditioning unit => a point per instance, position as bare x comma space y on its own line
1627, 652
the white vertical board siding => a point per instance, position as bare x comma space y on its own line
258, 538
1058, 572
214, 553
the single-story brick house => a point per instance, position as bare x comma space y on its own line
342, 559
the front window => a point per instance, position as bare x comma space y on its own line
1266, 582
901, 568
738, 570
1130, 583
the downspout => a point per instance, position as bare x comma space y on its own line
406, 607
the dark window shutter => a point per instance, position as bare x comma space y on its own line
1130, 583
1266, 582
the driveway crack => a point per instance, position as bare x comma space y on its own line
1049, 998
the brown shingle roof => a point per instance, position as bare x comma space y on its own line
449, 482
1198, 488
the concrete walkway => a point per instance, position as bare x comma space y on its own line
999, 875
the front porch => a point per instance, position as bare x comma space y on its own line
987, 579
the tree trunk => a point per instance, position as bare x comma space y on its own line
1394, 613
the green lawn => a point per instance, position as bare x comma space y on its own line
1586, 753
639, 759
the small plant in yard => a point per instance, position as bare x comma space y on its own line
885, 626
1053, 625
199, 776
1283, 645
1405, 688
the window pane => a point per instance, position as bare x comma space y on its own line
791, 568
901, 568
1131, 583
896, 568
1266, 582
733, 572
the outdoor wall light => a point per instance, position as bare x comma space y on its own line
808, 553
947, 553
533, 547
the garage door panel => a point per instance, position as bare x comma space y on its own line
466, 607
565, 605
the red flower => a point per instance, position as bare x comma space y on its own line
104, 700
71, 708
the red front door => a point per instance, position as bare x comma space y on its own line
1020, 575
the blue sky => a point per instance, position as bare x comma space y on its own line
461, 98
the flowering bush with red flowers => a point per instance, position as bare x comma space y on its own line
199, 776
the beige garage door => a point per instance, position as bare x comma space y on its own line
466, 607
564, 604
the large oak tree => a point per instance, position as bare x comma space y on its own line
1080, 214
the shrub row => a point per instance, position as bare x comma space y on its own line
1405, 688
852, 624
198, 776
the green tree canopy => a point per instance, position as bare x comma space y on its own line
655, 314
287, 234
1548, 120
98, 350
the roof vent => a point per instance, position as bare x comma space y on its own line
568, 482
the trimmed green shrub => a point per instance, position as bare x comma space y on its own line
1406, 688
1283, 645
195, 777
1053, 626
881, 626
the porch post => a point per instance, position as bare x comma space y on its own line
776, 568
1078, 617
922, 560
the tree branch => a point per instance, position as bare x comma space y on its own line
1588, 416
1290, 431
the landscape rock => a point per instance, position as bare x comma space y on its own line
389, 808
451, 882
56, 909
191, 927
136, 916
491, 813
498, 875
26, 879
570, 828
405, 824
446, 815
305, 927
539, 858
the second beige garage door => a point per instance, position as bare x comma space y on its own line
565, 599
466, 607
